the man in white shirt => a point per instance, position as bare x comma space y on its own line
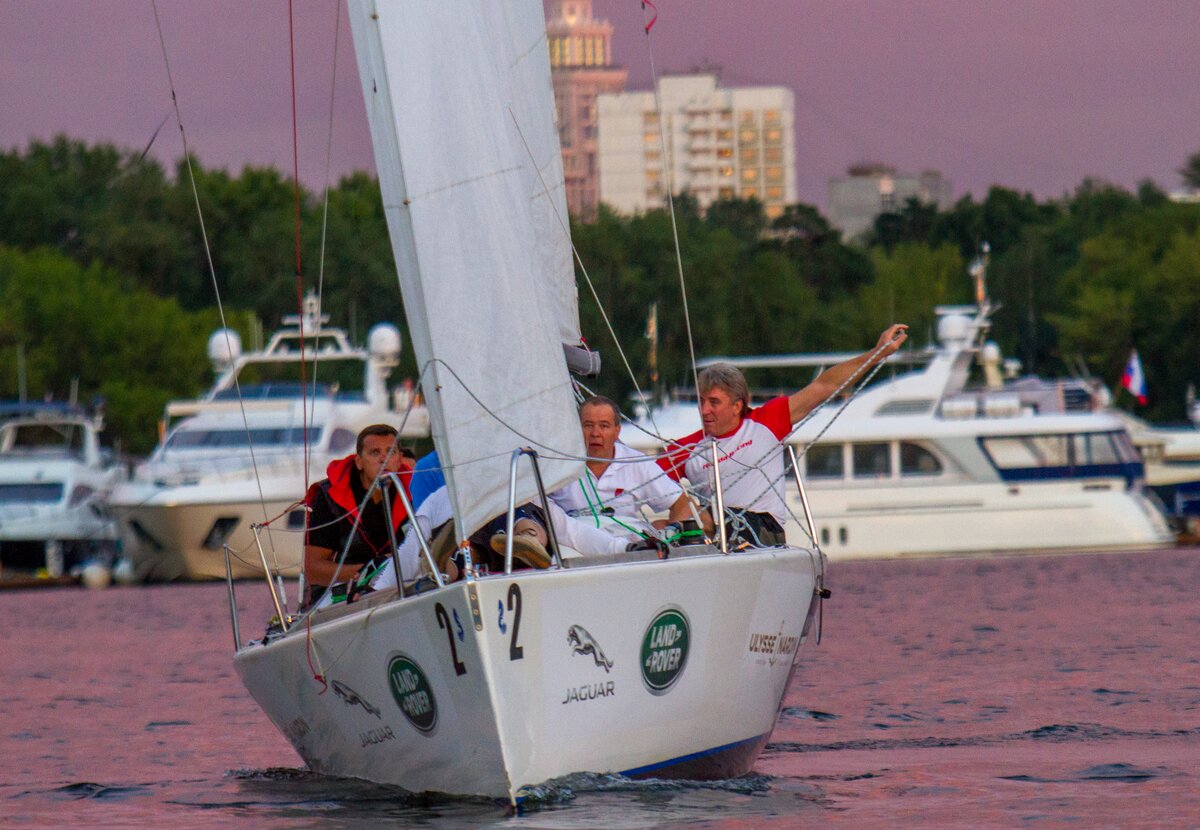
749, 441
619, 479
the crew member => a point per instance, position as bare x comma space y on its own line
345, 519
619, 479
749, 452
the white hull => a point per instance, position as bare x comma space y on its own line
169, 532
528, 702
977, 518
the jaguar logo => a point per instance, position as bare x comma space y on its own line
581, 642
353, 698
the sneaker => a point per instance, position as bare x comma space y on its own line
526, 548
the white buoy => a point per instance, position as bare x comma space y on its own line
96, 575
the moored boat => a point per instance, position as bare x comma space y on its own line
243, 453
55, 481
924, 463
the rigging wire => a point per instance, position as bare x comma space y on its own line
212, 271
337, 26
647, 25
299, 269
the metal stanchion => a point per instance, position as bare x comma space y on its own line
233, 614
283, 623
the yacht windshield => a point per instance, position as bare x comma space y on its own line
210, 439
44, 493
43, 439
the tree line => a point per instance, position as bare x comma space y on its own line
107, 282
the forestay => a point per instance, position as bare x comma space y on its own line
457, 191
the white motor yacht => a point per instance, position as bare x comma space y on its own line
237, 457
55, 480
1172, 458
923, 463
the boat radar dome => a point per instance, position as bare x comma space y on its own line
954, 330
224, 347
384, 343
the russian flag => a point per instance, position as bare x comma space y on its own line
1133, 379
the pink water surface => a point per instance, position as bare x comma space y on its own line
1024, 691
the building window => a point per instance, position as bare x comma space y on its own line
746, 118
773, 136
773, 155
749, 155
725, 193
748, 136
774, 174
727, 171
774, 193
724, 152
724, 135
749, 192
589, 51
750, 174
771, 117
774, 211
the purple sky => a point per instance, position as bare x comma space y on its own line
1031, 94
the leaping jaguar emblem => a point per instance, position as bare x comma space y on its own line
353, 698
582, 642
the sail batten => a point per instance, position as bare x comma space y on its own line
482, 295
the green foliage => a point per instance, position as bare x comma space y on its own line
108, 277
90, 326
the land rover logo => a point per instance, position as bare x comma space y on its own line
665, 650
412, 693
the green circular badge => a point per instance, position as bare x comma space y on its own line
665, 650
412, 693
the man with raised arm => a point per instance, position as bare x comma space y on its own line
749, 450
619, 479
342, 512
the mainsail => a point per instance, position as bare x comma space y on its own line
533, 114
469, 233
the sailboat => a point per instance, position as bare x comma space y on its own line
494, 684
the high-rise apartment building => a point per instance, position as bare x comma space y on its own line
581, 68
868, 190
720, 143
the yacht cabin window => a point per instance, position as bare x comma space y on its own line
26, 493
824, 461
207, 439
1064, 451
873, 460
915, 460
